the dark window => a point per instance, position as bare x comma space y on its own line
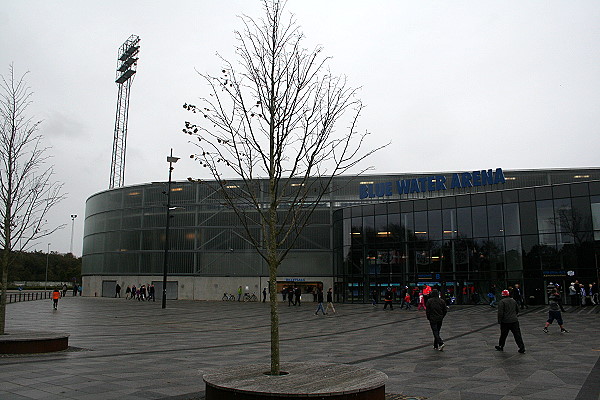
561, 191
408, 224
511, 219
478, 199
463, 201
465, 229
526, 195
594, 188
435, 225
513, 253
449, 223
579, 189
494, 198
543, 193
406, 206
510, 196
448, 202
421, 224
495, 225
434, 204
528, 218
479, 222
545, 216
420, 205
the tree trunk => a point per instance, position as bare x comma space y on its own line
4, 262
275, 368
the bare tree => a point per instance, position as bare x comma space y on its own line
274, 115
27, 189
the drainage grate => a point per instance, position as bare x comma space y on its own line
392, 396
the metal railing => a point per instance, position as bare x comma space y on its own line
27, 296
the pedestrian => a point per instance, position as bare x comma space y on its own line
519, 297
388, 299
74, 289
80, 289
118, 291
407, 300
595, 293
290, 293
573, 294
554, 313
284, 293
240, 293
133, 292
127, 292
55, 297
374, 298
152, 292
320, 301
436, 311
264, 294
64, 290
492, 296
583, 294
421, 302
330, 301
297, 293
508, 311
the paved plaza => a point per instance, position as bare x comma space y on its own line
124, 349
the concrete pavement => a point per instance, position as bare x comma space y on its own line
129, 349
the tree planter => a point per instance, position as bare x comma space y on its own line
303, 380
22, 342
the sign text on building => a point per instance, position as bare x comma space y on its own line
433, 183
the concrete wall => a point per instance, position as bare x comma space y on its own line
195, 287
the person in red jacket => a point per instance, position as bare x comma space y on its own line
55, 297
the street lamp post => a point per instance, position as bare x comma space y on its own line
73, 216
170, 160
47, 256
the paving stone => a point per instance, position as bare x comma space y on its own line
130, 349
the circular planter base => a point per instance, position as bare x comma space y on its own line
33, 342
304, 380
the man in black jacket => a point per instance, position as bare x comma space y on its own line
508, 311
436, 311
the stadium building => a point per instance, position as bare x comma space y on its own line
468, 231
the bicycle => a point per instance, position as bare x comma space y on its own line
228, 297
250, 297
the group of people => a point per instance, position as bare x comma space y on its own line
583, 295
330, 307
293, 295
141, 293
508, 312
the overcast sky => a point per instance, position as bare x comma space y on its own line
456, 85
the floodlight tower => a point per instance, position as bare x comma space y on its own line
126, 69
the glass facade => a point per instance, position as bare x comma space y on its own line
534, 226
471, 244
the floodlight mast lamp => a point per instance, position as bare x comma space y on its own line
126, 69
171, 160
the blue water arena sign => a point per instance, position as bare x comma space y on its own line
432, 183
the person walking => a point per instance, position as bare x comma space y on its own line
290, 294
118, 291
519, 297
388, 299
320, 301
240, 293
64, 290
436, 311
264, 294
127, 292
573, 294
330, 301
151, 292
508, 311
407, 300
55, 297
374, 298
554, 313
